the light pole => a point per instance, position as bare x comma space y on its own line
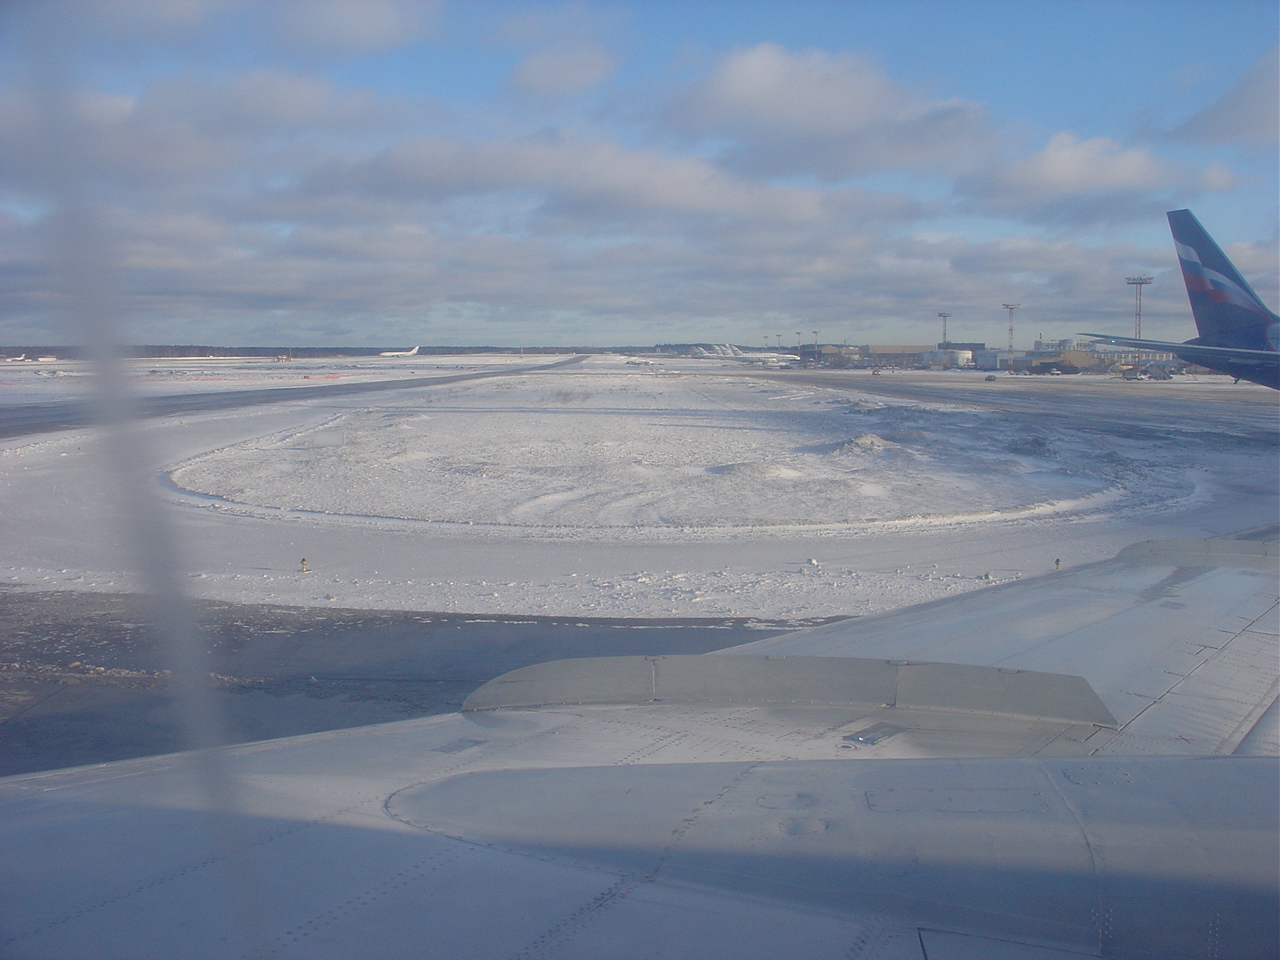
817, 357
1137, 283
945, 342
1011, 307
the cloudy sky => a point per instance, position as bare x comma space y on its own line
375, 172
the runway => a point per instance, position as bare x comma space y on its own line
1210, 404
24, 419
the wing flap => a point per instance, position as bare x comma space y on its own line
798, 681
1177, 638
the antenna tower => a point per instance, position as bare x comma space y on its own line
1011, 307
1137, 283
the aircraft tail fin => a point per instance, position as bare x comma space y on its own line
1227, 311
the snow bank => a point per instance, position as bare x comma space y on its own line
658, 459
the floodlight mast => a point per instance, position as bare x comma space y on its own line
945, 342
1011, 307
1137, 283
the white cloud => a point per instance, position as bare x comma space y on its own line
567, 48
563, 70
190, 132
835, 114
122, 141
353, 26
1247, 113
1217, 177
570, 24
243, 189
144, 19
595, 175
1077, 181
807, 93
1069, 165
260, 102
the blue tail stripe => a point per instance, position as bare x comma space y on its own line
1227, 311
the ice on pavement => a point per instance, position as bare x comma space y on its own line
610, 490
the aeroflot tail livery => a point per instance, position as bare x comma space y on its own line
1238, 333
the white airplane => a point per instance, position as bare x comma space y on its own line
727, 351
20, 357
399, 353
1082, 765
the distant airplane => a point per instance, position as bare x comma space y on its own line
399, 353
21, 356
727, 351
1239, 335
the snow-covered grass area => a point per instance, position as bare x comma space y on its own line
605, 489
604, 456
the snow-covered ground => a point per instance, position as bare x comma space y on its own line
608, 489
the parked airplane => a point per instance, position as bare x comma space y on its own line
1239, 335
399, 353
727, 351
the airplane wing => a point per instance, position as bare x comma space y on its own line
1258, 366
1167, 346
1177, 638
1078, 765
